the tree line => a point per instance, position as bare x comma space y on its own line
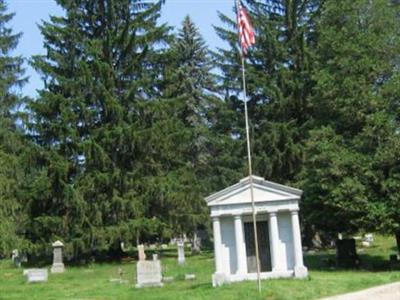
137, 122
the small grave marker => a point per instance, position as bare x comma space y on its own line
16, 259
36, 275
190, 276
181, 252
168, 279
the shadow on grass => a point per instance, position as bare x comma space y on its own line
327, 262
203, 285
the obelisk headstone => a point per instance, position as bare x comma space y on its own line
141, 253
181, 252
58, 266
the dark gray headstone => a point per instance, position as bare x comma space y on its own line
346, 255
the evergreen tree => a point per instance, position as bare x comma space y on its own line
350, 174
11, 143
103, 64
278, 73
186, 127
11, 71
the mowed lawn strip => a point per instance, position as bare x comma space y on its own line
92, 282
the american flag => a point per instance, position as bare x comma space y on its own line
246, 31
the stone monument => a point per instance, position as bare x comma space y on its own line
346, 254
16, 258
181, 252
148, 273
196, 244
141, 253
58, 266
36, 275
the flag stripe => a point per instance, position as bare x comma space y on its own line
246, 31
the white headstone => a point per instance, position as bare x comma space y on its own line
365, 244
196, 244
58, 266
15, 257
181, 252
168, 279
148, 273
36, 275
369, 237
190, 276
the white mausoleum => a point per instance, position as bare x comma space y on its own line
278, 231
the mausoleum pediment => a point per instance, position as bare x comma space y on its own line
264, 191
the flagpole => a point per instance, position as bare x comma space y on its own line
251, 176
249, 164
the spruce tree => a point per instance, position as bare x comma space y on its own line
190, 157
11, 141
278, 73
349, 172
103, 65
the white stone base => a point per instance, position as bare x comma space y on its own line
57, 268
300, 272
219, 279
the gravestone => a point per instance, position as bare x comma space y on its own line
369, 237
181, 252
168, 279
366, 244
196, 244
15, 257
190, 276
148, 273
155, 256
123, 248
346, 255
58, 266
36, 275
141, 253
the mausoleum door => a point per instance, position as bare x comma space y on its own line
263, 247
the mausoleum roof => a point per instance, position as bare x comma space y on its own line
264, 191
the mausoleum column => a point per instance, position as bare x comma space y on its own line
217, 244
299, 269
274, 241
240, 246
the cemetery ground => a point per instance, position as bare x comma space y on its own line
92, 282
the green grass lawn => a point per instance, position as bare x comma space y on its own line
93, 281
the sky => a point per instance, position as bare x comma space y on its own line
30, 13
